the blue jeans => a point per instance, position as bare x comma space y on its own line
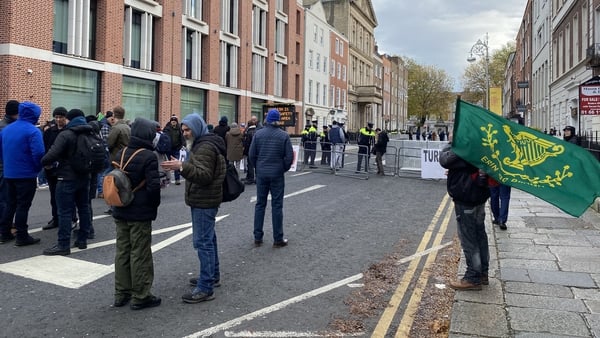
473, 240
499, 200
71, 194
276, 186
205, 243
19, 195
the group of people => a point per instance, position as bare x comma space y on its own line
25, 150
333, 139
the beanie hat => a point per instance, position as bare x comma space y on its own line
273, 115
174, 118
223, 121
119, 112
73, 113
12, 107
210, 127
108, 114
59, 111
90, 118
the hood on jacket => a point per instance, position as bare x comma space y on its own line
196, 123
144, 129
235, 131
30, 112
77, 121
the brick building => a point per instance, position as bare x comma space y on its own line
155, 58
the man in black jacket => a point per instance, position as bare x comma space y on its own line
173, 130
72, 188
468, 188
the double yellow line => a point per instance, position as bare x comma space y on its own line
413, 304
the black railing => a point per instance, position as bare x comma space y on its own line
591, 142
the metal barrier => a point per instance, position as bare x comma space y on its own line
402, 158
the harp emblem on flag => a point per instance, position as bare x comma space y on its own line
528, 149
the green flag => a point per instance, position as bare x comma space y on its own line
556, 171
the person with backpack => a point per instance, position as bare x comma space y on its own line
73, 183
134, 267
173, 130
204, 172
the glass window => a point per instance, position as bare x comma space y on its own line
61, 26
75, 88
257, 108
139, 98
228, 106
193, 100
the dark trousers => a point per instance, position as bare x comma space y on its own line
71, 194
52, 181
19, 193
175, 154
250, 174
134, 267
326, 155
363, 152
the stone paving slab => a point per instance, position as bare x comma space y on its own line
537, 264
579, 266
547, 321
562, 278
512, 274
491, 294
545, 302
539, 289
593, 321
491, 320
565, 253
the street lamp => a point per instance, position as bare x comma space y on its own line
481, 49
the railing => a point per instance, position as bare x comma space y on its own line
591, 142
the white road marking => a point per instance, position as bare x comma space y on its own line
311, 188
290, 334
73, 273
424, 252
275, 307
301, 174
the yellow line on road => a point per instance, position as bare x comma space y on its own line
388, 315
413, 304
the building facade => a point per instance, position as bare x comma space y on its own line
356, 20
155, 58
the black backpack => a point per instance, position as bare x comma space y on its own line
163, 146
90, 154
232, 186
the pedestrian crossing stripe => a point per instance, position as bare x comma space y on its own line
72, 273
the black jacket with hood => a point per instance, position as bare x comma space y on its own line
464, 184
63, 148
144, 166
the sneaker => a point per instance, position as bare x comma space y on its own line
6, 238
194, 282
502, 226
281, 244
150, 301
91, 235
249, 182
57, 251
464, 284
177, 182
51, 225
27, 241
495, 222
258, 242
197, 297
74, 224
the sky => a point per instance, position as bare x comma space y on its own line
441, 33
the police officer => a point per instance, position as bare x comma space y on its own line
366, 139
325, 146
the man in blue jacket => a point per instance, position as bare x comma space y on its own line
272, 155
22, 149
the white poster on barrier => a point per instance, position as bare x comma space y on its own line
295, 161
430, 164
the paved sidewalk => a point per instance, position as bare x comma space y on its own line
544, 276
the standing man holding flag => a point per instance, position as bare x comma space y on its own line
554, 170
